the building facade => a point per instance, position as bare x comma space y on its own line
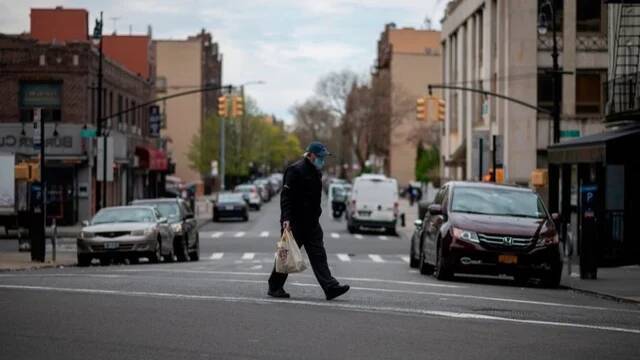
60, 79
495, 45
408, 61
184, 65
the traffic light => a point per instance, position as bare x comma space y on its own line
222, 106
441, 108
421, 109
237, 106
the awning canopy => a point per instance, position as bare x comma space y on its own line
152, 159
609, 147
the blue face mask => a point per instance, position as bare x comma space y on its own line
319, 163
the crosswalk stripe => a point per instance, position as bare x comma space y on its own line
335, 235
216, 235
358, 236
248, 256
383, 238
264, 234
216, 256
344, 257
239, 234
405, 259
376, 258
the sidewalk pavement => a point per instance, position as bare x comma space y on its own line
410, 215
13, 259
619, 283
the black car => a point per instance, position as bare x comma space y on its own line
186, 243
488, 229
230, 205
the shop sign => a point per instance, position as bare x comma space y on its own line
45, 95
154, 120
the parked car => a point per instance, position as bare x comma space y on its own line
186, 243
373, 203
263, 189
125, 232
230, 205
275, 184
490, 229
250, 194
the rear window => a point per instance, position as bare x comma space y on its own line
374, 189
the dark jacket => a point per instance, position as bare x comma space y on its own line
301, 194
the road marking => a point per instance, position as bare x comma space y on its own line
334, 305
248, 256
264, 234
344, 257
358, 236
256, 267
239, 234
335, 235
405, 259
216, 256
383, 238
376, 258
216, 235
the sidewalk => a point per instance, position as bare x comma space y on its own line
13, 259
410, 215
620, 283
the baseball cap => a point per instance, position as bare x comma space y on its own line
318, 149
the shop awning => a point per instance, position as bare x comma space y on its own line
609, 147
152, 159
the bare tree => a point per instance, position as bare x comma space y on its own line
313, 120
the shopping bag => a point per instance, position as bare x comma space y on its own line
288, 255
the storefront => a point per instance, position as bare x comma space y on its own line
155, 165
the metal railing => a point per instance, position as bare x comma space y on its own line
622, 94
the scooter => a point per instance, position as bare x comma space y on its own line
338, 208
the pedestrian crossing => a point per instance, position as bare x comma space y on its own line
254, 258
267, 234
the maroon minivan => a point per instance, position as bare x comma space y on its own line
489, 229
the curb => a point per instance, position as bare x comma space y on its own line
601, 295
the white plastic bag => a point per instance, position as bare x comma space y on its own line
288, 256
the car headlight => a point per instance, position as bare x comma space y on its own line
177, 228
547, 239
466, 235
86, 235
142, 232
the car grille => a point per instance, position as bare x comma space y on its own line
121, 247
112, 234
505, 241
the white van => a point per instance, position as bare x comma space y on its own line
373, 203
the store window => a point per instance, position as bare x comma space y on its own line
545, 90
46, 96
589, 92
589, 16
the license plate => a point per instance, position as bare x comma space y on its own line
229, 207
364, 213
111, 245
508, 259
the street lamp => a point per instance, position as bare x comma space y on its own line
543, 25
101, 194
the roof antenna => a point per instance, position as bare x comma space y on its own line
115, 23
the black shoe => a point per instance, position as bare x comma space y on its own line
280, 293
334, 292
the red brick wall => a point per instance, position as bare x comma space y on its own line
130, 51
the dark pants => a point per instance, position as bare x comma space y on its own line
312, 241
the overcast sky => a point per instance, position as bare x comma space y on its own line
288, 44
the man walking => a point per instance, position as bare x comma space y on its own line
300, 212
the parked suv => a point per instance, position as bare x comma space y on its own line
489, 229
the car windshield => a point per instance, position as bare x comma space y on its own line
244, 188
120, 215
170, 210
230, 198
497, 201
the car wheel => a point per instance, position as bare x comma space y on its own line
104, 261
245, 218
133, 260
216, 218
84, 260
195, 254
413, 262
156, 255
521, 279
181, 248
425, 269
441, 272
552, 278
392, 231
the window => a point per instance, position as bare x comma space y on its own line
589, 16
545, 89
589, 92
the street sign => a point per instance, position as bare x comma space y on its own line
101, 158
155, 121
37, 129
569, 133
87, 133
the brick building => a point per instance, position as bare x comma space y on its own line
60, 78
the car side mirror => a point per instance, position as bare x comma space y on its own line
435, 209
163, 220
85, 223
555, 217
418, 224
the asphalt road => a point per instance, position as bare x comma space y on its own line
217, 308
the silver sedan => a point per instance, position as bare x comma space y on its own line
126, 232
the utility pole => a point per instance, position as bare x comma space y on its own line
97, 36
